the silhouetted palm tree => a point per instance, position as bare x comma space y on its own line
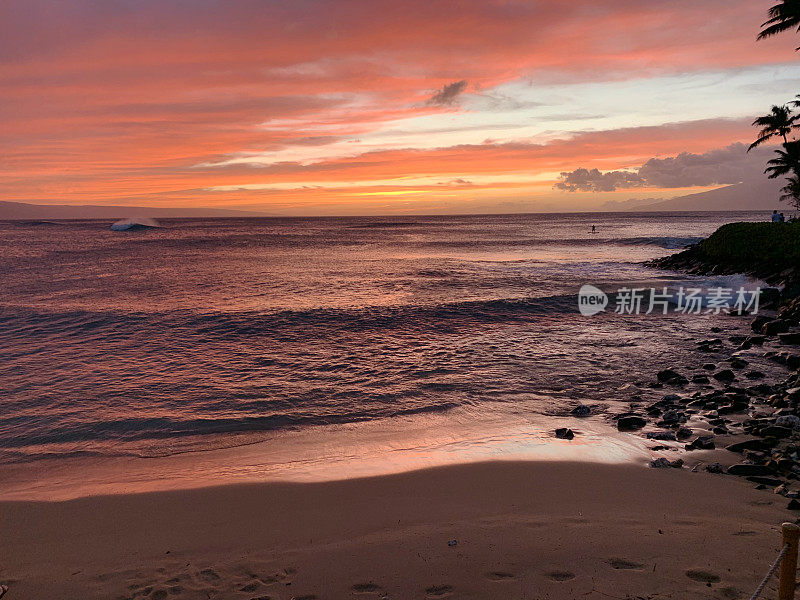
779, 121
788, 161
782, 17
791, 191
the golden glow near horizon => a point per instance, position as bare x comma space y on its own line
326, 107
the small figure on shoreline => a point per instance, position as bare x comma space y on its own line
594, 229
775, 216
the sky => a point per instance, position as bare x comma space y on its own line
379, 107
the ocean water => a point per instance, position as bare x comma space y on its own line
206, 334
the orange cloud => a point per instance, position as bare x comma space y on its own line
120, 102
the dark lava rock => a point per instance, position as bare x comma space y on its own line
581, 411
776, 431
755, 375
665, 463
775, 327
630, 423
683, 433
714, 468
699, 379
756, 340
793, 361
709, 366
664, 436
754, 444
667, 374
793, 504
564, 434
750, 470
738, 363
770, 481
724, 375
704, 442
758, 323
792, 339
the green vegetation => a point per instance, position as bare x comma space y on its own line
781, 121
750, 244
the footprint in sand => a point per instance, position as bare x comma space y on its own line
500, 576
702, 576
561, 575
366, 588
438, 591
625, 565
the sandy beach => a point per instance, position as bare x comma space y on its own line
486, 530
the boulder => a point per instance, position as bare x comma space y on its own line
758, 323
581, 411
703, 442
724, 375
754, 444
743, 470
563, 433
664, 436
791, 339
775, 327
665, 463
630, 423
776, 431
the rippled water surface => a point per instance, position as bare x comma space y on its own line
209, 333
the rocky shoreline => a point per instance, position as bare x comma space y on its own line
742, 424
724, 415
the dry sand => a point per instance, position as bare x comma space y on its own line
530, 530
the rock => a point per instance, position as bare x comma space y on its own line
793, 361
756, 340
775, 327
793, 504
699, 379
755, 375
770, 481
630, 423
743, 470
714, 468
672, 377
716, 329
664, 436
790, 339
790, 421
665, 463
776, 431
671, 417
667, 374
754, 444
581, 411
709, 366
564, 433
758, 323
738, 363
703, 442
724, 375
683, 433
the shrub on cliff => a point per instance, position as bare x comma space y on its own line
776, 244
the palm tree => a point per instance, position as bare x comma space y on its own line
782, 17
791, 191
778, 122
788, 161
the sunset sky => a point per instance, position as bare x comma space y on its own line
374, 107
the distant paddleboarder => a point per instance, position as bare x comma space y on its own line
594, 229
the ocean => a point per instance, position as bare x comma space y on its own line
204, 334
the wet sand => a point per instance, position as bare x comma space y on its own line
489, 530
